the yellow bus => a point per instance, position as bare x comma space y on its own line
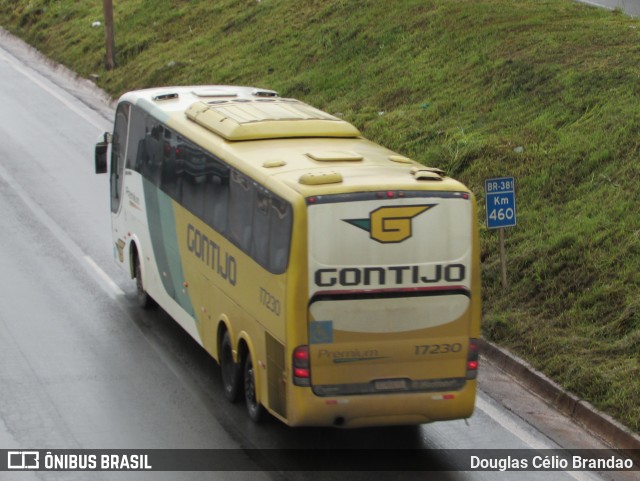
336, 282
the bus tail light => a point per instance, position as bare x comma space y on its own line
472, 359
301, 366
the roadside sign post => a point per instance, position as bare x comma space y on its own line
501, 212
110, 47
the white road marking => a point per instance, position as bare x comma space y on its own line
74, 249
518, 431
111, 286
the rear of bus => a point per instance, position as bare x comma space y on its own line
393, 308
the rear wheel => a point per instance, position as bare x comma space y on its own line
231, 372
144, 299
254, 408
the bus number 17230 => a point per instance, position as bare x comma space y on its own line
437, 348
269, 301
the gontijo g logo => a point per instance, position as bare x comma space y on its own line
390, 224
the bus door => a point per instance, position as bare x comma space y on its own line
116, 174
127, 198
118, 156
390, 292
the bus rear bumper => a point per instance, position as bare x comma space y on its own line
381, 409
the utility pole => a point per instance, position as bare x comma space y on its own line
109, 60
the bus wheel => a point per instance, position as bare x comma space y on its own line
254, 408
231, 372
144, 299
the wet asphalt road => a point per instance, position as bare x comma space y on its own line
82, 367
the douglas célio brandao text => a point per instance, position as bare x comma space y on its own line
540, 462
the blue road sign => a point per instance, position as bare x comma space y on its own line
501, 202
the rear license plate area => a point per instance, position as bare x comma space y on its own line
390, 385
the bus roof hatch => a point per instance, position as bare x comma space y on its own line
272, 118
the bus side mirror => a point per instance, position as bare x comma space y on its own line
101, 153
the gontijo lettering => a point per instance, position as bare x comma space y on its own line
390, 275
211, 254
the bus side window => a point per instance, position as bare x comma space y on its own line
216, 195
241, 205
168, 171
153, 147
118, 152
193, 185
135, 153
280, 224
271, 231
260, 229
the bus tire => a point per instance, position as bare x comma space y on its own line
254, 408
144, 299
231, 371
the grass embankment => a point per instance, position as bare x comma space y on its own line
546, 91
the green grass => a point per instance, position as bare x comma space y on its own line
544, 90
